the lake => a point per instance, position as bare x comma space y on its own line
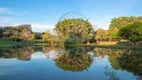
69, 63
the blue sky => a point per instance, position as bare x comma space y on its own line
44, 14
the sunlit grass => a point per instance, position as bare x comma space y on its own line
107, 43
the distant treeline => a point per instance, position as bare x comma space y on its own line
19, 33
128, 28
116, 23
77, 30
80, 31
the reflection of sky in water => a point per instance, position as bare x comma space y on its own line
41, 68
38, 55
52, 54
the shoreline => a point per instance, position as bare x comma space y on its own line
114, 46
12, 44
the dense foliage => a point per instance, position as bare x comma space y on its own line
125, 60
132, 32
117, 23
132, 62
23, 53
75, 30
74, 59
120, 29
17, 33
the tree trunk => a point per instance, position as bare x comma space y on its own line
88, 42
135, 43
109, 40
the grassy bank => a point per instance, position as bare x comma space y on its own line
111, 45
118, 46
121, 45
11, 43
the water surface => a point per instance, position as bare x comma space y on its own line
69, 63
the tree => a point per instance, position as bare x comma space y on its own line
26, 34
32, 37
24, 26
48, 37
16, 33
1, 32
6, 34
15, 36
132, 32
117, 23
72, 30
101, 34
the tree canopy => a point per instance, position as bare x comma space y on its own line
132, 32
78, 30
17, 33
117, 23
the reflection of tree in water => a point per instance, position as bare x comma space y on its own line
132, 62
74, 60
23, 53
113, 55
1, 53
139, 78
52, 52
128, 60
111, 73
110, 52
47, 49
123, 60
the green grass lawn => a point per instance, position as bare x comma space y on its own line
117, 46
121, 45
12, 43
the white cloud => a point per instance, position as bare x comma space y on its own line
3, 9
41, 27
5, 21
102, 23
8, 12
8, 16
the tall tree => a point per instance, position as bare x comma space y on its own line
101, 34
26, 34
117, 23
24, 26
132, 32
75, 30
48, 37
